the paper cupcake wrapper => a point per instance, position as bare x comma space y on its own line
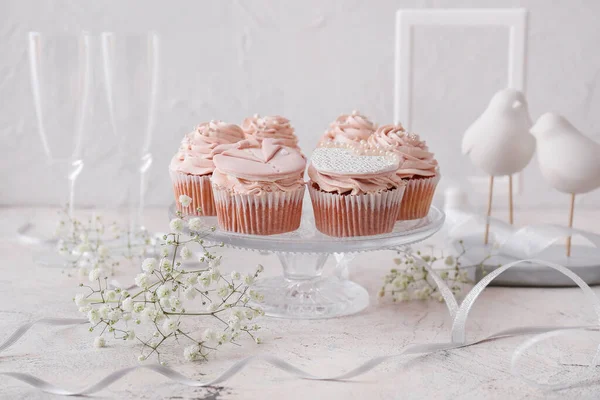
199, 188
417, 198
267, 214
355, 215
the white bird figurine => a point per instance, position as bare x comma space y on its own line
569, 160
499, 141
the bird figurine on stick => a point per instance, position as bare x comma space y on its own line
569, 160
499, 142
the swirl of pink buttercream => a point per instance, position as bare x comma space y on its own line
271, 127
195, 155
416, 159
349, 129
257, 167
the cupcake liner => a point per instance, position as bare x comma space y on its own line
265, 214
199, 188
355, 215
417, 197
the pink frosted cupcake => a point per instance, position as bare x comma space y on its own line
354, 191
275, 127
258, 187
349, 129
192, 166
417, 167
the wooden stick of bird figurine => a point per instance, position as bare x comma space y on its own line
499, 143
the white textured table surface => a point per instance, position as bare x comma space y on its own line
65, 355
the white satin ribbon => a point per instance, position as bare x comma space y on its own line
519, 243
457, 340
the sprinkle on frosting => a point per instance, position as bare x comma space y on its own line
195, 155
270, 127
349, 129
350, 170
257, 167
416, 159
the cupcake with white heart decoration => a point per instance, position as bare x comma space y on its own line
354, 190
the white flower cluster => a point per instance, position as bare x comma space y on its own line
82, 245
411, 281
168, 294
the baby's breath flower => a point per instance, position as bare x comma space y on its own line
191, 353
80, 300
103, 251
163, 291
204, 279
164, 251
104, 311
165, 264
215, 274
249, 279
185, 253
93, 316
114, 315
195, 224
190, 293
138, 307
235, 275
260, 268
142, 280
257, 340
111, 295
234, 323
165, 302
214, 263
175, 302
223, 291
99, 342
149, 265
185, 200
176, 225
130, 334
94, 274
209, 335
169, 326
127, 304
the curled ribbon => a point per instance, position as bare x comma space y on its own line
457, 340
528, 241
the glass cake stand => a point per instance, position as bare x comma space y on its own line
303, 292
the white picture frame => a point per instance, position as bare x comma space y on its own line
515, 19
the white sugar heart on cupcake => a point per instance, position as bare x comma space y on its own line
355, 190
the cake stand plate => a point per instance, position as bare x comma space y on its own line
303, 292
584, 261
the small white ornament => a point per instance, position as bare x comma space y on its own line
499, 142
569, 160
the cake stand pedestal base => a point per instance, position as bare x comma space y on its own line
303, 293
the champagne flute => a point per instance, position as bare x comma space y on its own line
131, 72
60, 74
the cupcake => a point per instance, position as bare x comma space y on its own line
417, 167
192, 166
355, 191
258, 187
349, 129
275, 127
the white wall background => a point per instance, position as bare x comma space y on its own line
307, 60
